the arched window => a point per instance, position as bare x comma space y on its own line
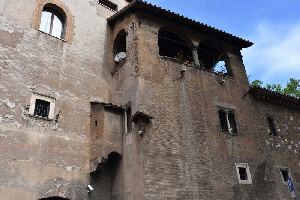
52, 22
172, 45
211, 58
119, 48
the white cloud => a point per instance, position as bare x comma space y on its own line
275, 55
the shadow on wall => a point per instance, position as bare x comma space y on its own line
107, 179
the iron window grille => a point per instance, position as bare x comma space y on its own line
42, 108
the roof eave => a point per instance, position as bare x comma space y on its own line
274, 97
179, 19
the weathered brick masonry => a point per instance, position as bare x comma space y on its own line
77, 123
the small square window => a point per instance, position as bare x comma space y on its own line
42, 106
243, 173
285, 174
227, 120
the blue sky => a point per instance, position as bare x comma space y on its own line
272, 25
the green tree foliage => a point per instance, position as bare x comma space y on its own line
292, 87
256, 83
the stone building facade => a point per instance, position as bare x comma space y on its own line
122, 100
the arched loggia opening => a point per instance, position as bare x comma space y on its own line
213, 58
119, 48
172, 45
106, 180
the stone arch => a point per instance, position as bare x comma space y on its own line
59, 7
174, 43
212, 55
107, 178
119, 44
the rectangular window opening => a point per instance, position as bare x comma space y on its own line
128, 120
108, 4
41, 108
272, 130
227, 121
243, 173
284, 174
232, 123
223, 120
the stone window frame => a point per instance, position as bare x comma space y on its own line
227, 111
49, 99
247, 168
282, 168
62, 9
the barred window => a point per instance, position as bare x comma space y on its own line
42, 108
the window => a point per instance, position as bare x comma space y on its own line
243, 173
52, 22
285, 174
128, 118
227, 121
42, 106
108, 4
214, 59
119, 48
173, 46
271, 130
54, 18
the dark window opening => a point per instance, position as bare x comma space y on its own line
96, 123
223, 120
227, 121
128, 119
41, 108
119, 48
108, 4
210, 58
243, 173
272, 130
171, 45
232, 122
52, 22
285, 174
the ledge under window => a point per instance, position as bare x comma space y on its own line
52, 36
